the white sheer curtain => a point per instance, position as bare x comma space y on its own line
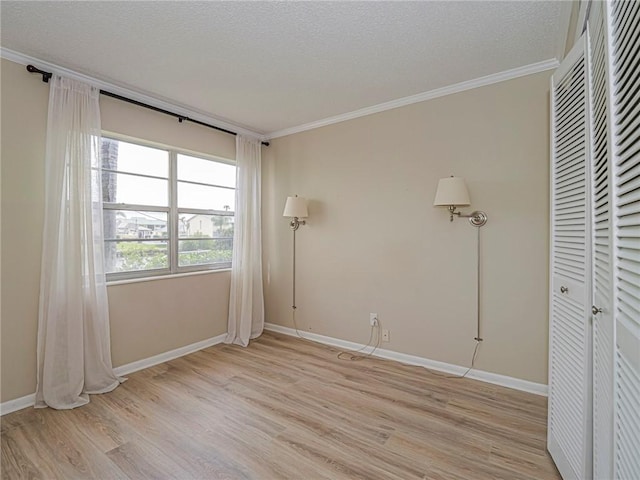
246, 302
74, 353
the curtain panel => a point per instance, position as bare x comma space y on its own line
74, 353
246, 301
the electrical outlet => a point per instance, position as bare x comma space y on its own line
373, 319
385, 335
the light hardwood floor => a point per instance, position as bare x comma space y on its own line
284, 408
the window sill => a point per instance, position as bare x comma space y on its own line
165, 277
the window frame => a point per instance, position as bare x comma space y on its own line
172, 211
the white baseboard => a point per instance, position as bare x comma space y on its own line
17, 404
166, 356
29, 400
494, 378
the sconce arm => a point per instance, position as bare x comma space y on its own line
477, 218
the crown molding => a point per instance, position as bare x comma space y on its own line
129, 92
167, 104
421, 97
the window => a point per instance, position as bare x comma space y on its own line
165, 211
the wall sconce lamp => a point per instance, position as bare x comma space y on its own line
452, 193
296, 207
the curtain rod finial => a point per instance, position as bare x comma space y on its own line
45, 75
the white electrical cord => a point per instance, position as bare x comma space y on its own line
473, 361
478, 338
295, 325
353, 354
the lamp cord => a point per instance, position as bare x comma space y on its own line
478, 338
353, 354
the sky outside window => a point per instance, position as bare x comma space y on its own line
153, 162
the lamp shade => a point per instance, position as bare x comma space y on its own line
452, 191
296, 207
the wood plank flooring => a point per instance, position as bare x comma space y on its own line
284, 408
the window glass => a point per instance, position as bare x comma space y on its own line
198, 252
204, 197
192, 225
206, 171
131, 224
133, 189
125, 256
131, 158
145, 234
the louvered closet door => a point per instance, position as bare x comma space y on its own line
602, 276
569, 417
625, 84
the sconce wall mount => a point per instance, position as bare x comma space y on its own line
295, 223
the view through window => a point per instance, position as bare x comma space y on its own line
165, 211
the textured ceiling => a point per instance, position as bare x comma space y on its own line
268, 66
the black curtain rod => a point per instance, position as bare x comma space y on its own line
181, 118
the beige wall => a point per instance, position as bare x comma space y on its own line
374, 243
22, 142
147, 318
